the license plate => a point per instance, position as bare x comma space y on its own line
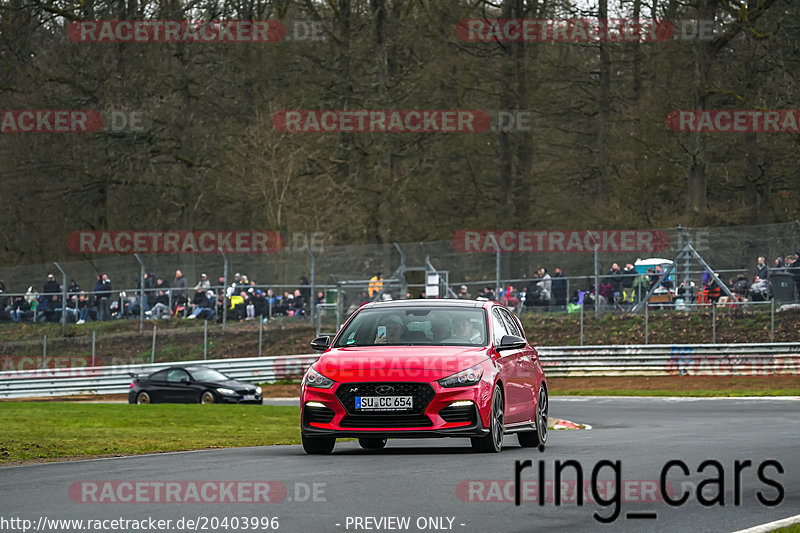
384, 403
249, 397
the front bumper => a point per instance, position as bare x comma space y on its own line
328, 417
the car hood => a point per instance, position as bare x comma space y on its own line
398, 363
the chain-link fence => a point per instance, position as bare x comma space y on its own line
472, 263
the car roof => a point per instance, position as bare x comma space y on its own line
422, 302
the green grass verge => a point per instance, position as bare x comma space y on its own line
795, 528
43, 430
688, 393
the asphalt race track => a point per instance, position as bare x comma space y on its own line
436, 484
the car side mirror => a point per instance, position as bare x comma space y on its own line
321, 344
511, 342
185, 381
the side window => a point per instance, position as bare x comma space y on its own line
176, 375
511, 324
161, 375
498, 326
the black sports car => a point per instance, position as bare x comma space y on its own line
191, 384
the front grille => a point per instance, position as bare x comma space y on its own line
422, 394
318, 415
464, 413
376, 420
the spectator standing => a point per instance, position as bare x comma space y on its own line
761, 270
559, 285
375, 284
628, 277
298, 303
545, 283
179, 289
102, 293
305, 288
52, 291
614, 277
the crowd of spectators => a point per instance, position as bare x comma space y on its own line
620, 288
623, 288
164, 298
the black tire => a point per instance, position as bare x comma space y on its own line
143, 398
538, 438
493, 442
207, 397
318, 445
372, 443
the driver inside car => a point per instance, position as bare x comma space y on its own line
390, 330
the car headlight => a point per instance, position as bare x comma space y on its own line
226, 392
258, 390
317, 380
470, 376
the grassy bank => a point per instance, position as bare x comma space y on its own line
44, 430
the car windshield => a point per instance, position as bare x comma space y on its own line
415, 326
208, 374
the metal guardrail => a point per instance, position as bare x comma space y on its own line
117, 379
672, 360
559, 361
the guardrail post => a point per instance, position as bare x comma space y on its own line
311, 306
44, 352
582, 324
64, 300
714, 323
260, 335
153, 349
224, 290
141, 293
205, 339
772, 322
596, 277
646, 323
94, 344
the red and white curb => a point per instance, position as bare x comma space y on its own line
557, 423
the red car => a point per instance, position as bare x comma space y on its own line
425, 368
